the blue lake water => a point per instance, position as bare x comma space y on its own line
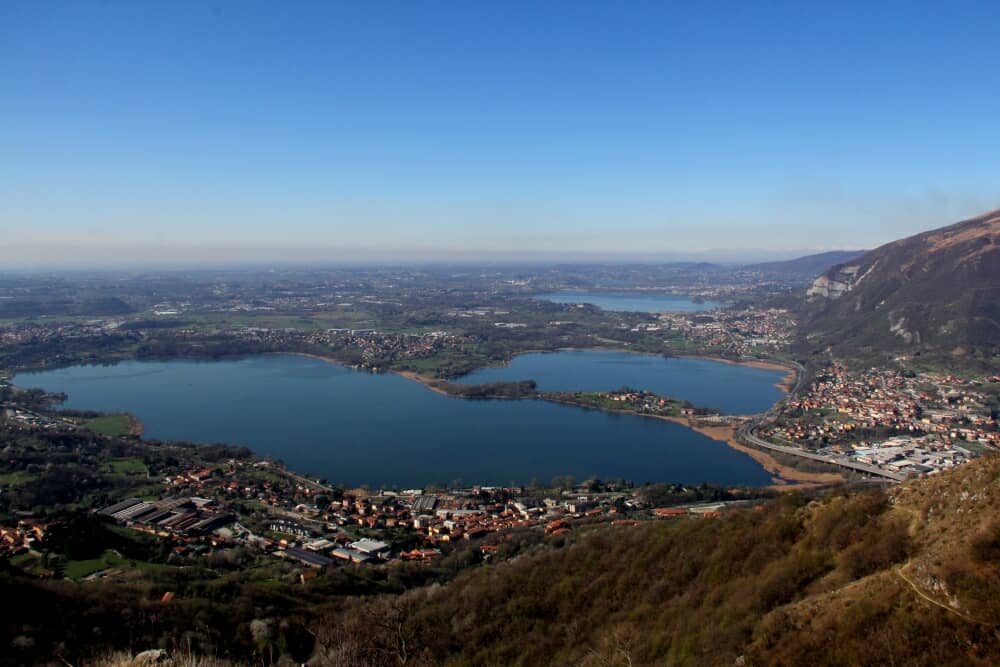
383, 430
640, 302
733, 389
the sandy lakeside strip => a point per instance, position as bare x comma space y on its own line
783, 475
135, 427
429, 383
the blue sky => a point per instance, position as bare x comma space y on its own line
183, 131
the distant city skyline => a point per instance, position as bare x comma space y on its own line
187, 133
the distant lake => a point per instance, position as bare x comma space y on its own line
640, 302
355, 428
733, 389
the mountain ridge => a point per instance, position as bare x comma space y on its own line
937, 291
807, 265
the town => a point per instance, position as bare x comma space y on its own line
886, 424
746, 332
257, 505
905, 423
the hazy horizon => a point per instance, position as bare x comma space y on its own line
73, 258
181, 134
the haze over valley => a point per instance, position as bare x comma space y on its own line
409, 335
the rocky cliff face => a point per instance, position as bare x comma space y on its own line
939, 291
833, 287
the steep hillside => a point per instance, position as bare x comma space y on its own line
943, 601
935, 292
905, 577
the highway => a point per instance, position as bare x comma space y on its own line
747, 434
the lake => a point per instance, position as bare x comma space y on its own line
731, 388
641, 302
356, 428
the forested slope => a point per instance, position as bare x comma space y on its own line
907, 577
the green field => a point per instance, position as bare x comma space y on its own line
78, 569
30, 563
975, 447
133, 466
15, 478
113, 425
21, 559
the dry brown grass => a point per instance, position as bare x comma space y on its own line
989, 226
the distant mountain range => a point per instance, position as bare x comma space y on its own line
934, 292
810, 265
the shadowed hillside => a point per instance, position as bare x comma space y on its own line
936, 292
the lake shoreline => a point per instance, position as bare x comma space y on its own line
646, 300
135, 427
784, 477
429, 382
373, 426
785, 385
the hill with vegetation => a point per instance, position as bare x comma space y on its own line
905, 576
936, 293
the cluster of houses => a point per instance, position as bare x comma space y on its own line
640, 398
440, 519
308, 526
376, 347
23, 536
259, 505
259, 481
768, 328
932, 422
34, 333
745, 331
